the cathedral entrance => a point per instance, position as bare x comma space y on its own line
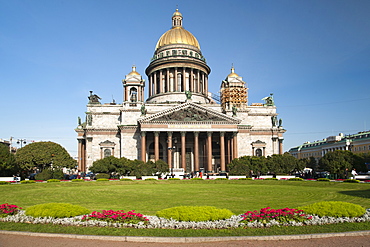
188, 160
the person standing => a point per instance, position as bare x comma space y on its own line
354, 173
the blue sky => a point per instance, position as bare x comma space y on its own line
313, 55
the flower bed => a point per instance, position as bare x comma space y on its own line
279, 215
8, 209
266, 217
156, 222
119, 216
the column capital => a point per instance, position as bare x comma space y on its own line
143, 133
222, 133
169, 133
209, 133
196, 133
183, 133
156, 133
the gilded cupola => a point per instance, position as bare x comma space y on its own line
177, 35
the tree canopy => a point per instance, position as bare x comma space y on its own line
8, 165
338, 161
126, 167
275, 164
44, 155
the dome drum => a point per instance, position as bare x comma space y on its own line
178, 52
178, 63
177, 97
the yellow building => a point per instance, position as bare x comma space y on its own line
356, 143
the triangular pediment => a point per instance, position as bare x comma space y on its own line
189, 113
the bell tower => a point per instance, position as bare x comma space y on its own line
234, 92
133, 87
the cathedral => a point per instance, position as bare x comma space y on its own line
180, 122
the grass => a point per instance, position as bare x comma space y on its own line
148, 197
105, 231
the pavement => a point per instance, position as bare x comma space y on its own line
23, 239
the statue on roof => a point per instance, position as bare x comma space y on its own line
280, 122
269, 100
234, 109
93, 98
143, 110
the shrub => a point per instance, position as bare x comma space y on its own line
195, 213
28, 181
8, 209
47, 174
323, 179
221, 179
53, 180
58, 174
295, 179
196, 179
173, 179
4, 182
351, 181
271, 179
116, 216
44, 175
102, 179
334, 209
102, 175
245, 178
150, 179
283, 215
77, 180
125, 179
56, 210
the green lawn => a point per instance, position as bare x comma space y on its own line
147, 197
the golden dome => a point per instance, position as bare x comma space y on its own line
233, 74
177, 35
177, 13
134, 72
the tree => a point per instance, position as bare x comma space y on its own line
106, 165
239, 166
8, 165
258, 164
337, 162
161, 167
283, 163
125, 167
44, 155
359, 161
308, 162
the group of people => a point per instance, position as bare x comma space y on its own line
253, 175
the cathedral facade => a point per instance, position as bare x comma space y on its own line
180, 122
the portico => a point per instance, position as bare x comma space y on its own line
190, 137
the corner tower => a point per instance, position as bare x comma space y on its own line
177, 66
133, 86
234, 92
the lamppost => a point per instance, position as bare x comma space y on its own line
21, 141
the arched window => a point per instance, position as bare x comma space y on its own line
107, 152
133, 94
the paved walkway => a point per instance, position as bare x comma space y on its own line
26, 239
